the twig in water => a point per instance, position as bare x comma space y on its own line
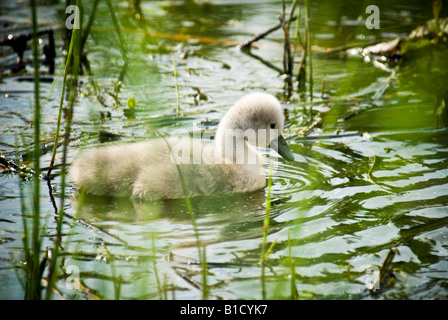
264, 61
288, 61
287, 57
92, 227
188, 279
246, 44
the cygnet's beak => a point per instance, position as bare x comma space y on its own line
282, 148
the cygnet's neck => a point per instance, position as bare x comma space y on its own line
231, 144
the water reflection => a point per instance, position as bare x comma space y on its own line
126, 210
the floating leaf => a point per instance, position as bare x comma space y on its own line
131, 103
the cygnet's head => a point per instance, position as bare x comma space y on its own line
259, 117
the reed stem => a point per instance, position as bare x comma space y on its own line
308, 46
61, 102
177, 88
200, 248
33, 285
266, 222
294, 293
124, 52
154, 253
73, 56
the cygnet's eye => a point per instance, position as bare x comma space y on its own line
272, 125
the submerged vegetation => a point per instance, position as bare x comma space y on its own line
368, 187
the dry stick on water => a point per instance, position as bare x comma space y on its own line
288, 58
246, 44
288, 27
265, 62
287, 46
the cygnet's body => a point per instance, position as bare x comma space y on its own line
173, 167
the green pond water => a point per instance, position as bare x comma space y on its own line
373, 176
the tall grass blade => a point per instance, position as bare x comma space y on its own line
177, 89
205, 289
154, 253
266, 222
200, 248
294, 292
61, 101
124, 52
308, 46
73, 62
33, 285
